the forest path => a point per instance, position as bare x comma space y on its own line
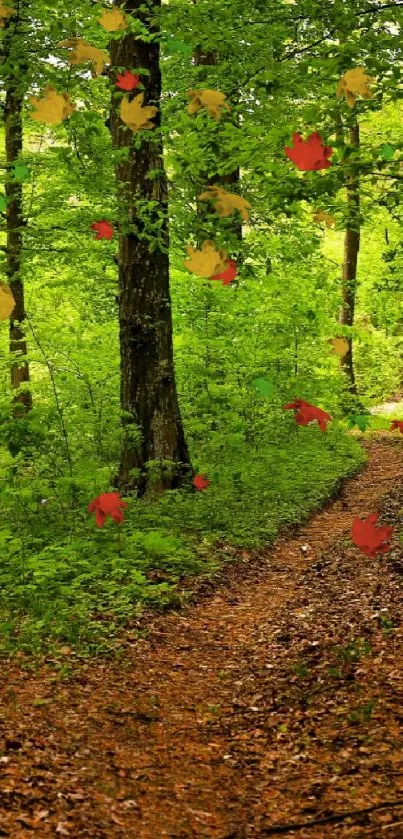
233, 715
386, 408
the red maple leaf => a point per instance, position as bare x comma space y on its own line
109, 503
127, 80
309, 154
103, 228
200, 482
397, 424
229, 274
369, 538
307, 413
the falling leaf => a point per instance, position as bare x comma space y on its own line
397, 424
226, 202
387, 151
362, 421
135, 115
207, 262
325, 217
127, 80
352, 82
108, 504
20, 171
201, 482
5, 12
309, 154
264, 387
229, 274
103, 228
113, 20
83, 52
306, 413
172, 46
340, 346
368, 537
53, 108
3, 203
7, 301
212, 100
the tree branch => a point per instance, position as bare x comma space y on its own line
292, 54
284, 828
266, 21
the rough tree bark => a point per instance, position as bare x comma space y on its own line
148, 388
22, 402
350, 259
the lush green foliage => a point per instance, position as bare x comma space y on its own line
272, 322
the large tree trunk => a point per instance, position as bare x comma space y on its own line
22, 402
351, 248
148, 388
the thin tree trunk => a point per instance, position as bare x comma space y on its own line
210, 59
351, 248
22, 402
148, 390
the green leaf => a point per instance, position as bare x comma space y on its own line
3, 203
264, 387
387, 151
20, 171
174, 46
362, 421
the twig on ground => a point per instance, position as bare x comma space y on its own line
284, 828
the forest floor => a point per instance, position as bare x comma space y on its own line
274, 700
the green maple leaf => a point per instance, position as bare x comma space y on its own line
21, 171
263, 387
387, 151
173, 46
3, 203
361, 420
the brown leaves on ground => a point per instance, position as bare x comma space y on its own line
276, 699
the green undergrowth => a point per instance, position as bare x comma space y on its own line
65, 581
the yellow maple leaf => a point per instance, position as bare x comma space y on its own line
340, 346
53, 108
135, 115
326, 217
226, 202
113, 20
212, 100
207, 262
5, 12
355, 81
82, 52
7, 301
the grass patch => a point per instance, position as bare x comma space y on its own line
65, 581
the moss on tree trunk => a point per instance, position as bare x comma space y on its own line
152, 426
350, 260
22, 402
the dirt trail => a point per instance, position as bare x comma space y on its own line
207, 729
